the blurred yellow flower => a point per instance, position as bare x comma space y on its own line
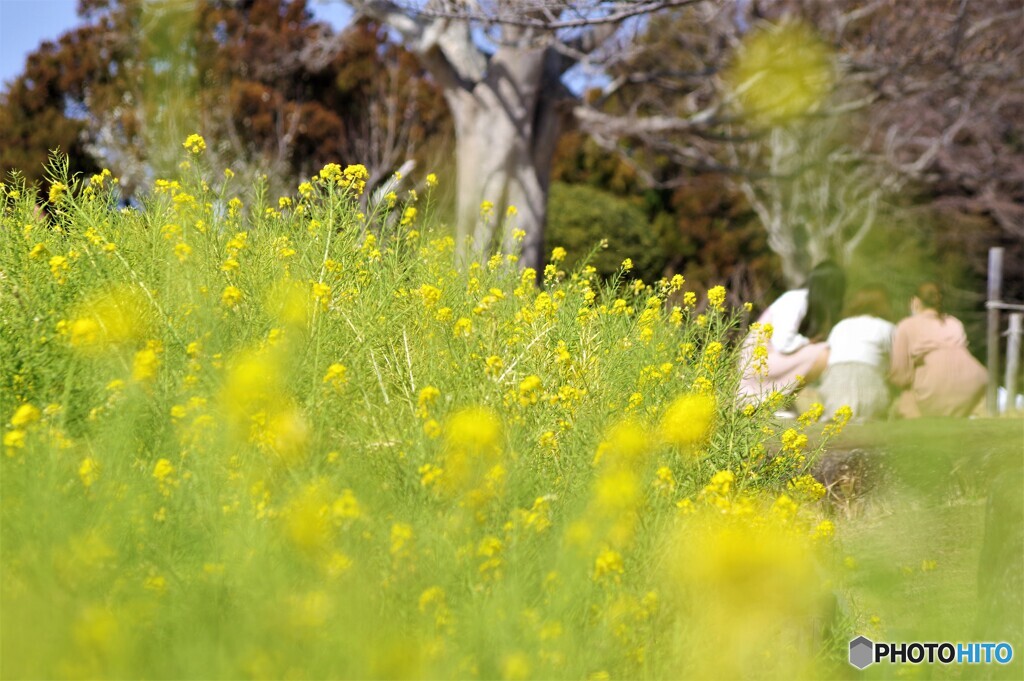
25, 415
782, 72
688, 420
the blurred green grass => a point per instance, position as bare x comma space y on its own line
916, 540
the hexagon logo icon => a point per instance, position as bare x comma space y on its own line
861, 652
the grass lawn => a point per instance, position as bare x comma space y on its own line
915, 542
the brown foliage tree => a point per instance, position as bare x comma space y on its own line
274, 92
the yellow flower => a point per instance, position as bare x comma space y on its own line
336, 376
194, 143
59, 267
476, 430
163, 470
431, 180
231, 296
716, 297
627, 264
146, 363
558, 254
625, 443
608, 566
429, 474
529, 390
88, 471
322, 293
408, 216
57, 190
463, 327
824, 530
427, 397
182, 251
14, 439
431, 295
515, 667
346, 507
156, 583
25, 415
401, 540
493, 365
688, 420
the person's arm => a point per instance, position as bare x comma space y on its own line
787, 313
901, 369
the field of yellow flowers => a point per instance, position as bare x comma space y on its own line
254, 436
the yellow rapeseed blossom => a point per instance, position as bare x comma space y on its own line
57, 191
463, 327
336, 376
688, 420
13, 440
195, 143
529, 390
59, 268
321, 293
716, 297
88, 471
401, 540
493, 366
608, 566
146, 362
163, 470
428, 395
25, 415
625, 444
408, 216
181, 251
231, 296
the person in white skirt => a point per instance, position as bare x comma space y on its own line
860, 347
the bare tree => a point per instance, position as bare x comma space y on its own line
501, 65
927, 97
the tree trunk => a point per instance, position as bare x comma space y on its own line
506, 127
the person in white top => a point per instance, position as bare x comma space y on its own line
859, 350
797, 351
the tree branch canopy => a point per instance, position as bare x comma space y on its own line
545, 15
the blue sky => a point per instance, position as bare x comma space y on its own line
24, 24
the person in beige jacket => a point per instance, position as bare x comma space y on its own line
931, 363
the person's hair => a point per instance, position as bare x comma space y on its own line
930, 295
826, 286
872, 300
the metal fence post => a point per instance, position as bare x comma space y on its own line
995, 285
1013, 359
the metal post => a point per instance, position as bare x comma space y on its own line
1013, 359
995, 286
